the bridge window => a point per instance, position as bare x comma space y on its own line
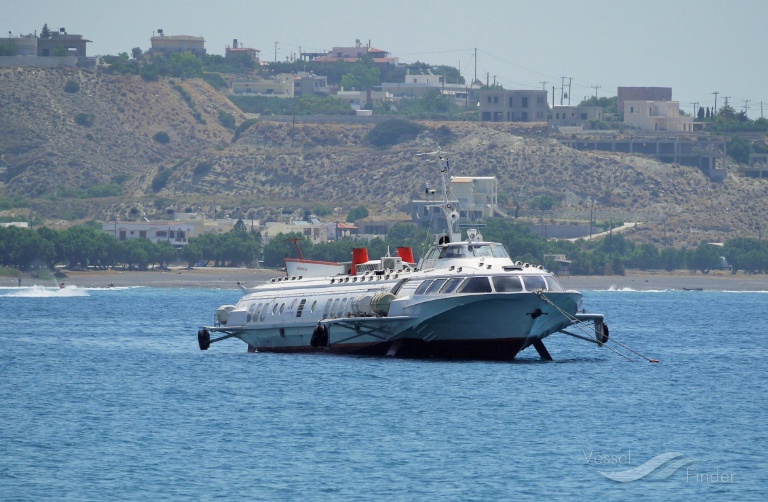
475, 285
423, 287
534, 282
553, 284
450, 285
435, 287
506, 284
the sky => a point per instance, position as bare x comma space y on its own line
696, 47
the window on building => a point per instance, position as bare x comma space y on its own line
510, 102
525, 102
142, 234
489, 100
495, 99
525, 117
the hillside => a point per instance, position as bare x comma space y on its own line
273, 165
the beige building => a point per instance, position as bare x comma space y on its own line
574, 115
499, 105
309, 84
73, 45
641, 94
656, 116
171, 44
315, 232
280, 85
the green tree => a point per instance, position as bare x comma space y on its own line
227, 119
185, 65
8, 48
136, 53
705, 257
363, 76
357, 213
739, 149
45, 32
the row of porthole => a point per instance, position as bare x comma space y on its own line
335, 308
258, 312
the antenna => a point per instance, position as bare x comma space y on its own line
446, 207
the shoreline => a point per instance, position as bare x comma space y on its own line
227, 278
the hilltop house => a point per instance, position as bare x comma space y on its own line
641, 94
500, 105
252, 54
351, 54
170, 44
656, 116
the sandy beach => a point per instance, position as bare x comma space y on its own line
227, 278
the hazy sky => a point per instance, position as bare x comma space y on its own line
696, 47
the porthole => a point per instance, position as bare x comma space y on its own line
312, 308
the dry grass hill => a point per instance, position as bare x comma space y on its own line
45, 148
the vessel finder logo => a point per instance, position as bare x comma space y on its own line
661, 466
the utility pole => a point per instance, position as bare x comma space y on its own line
553, 96
714, 112
695, 107
595, 87
562, 88
569, 91
543, 85
746, 105
475, 80
275, 52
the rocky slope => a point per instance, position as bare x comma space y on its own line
275, 165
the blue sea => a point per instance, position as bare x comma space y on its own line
104, 395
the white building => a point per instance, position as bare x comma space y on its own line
656, 116
174, 232
474, 197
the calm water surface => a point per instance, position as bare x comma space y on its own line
104, 395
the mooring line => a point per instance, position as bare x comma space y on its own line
578, 324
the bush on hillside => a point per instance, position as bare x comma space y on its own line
84, 119
162, 137
393, 132
71, 87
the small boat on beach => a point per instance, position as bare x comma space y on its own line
464, 299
